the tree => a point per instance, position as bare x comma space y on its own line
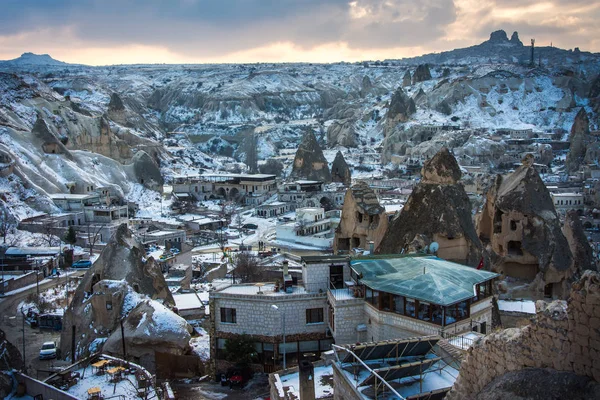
93, 235
71, 236
50, 231
240, 349
247, 268
7, 224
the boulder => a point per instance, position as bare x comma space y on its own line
147, 328
309, 162
340, 172
421, 74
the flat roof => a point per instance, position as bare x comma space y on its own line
426, 278
68, 196
324, 259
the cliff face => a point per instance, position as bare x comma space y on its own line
437, 210
556, 354
309, 162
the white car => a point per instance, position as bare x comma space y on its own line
48, 350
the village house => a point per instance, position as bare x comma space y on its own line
348, 300
251, 188
313, 227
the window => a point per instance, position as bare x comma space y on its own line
314, 315
410, 307
228, 315
109, 305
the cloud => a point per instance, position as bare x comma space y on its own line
208, 30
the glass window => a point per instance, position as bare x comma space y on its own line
325, 344
311, 345
410, 307
369, 295
221, 343
436, 314
399, 303
258, 347
386, 300
228, 315
375, 298
314, 315
290, 347
424, 311
268, 346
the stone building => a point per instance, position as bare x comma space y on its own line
363, 220
520, 226
556, 354
378, 298
438, 210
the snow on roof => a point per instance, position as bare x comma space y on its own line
29, 251
323, 379
68, 196
523, 306
163, 232
307, 182
187, 301
266, 289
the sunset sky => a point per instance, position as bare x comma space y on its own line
101, 32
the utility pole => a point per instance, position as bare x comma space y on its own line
24, 362
532, 51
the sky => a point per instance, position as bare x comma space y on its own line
104, 32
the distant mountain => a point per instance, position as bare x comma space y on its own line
30, 59
500, 49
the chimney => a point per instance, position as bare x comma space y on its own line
285, 268
306, 375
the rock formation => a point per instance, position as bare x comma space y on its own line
440, 210
562, 343
363, 220
147, 171
520, 226
10, 359
342, 133
421, 74
514, 39
583, 256
115, 104
400, 110
579, 131
365, 86
309, 162
407, 79
340, 172
498, 36
120, 279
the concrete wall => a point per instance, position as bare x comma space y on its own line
34, 387
343, 389
348, 315
21, 281
255, 316
564, 336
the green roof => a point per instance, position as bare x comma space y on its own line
428, 278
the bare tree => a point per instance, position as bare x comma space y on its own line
227, 211
93, 235
7, 223
50, 232
247, 268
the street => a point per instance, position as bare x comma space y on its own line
13, 325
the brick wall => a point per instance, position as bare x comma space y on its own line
564, 336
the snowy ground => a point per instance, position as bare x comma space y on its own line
53, 299
523, 306
323, 383
125, 388
201, 344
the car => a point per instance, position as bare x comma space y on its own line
82, 264
250, 226
48, 351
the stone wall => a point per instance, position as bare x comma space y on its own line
21, 281
564, 336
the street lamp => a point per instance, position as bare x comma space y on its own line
282, 315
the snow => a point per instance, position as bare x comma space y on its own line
522, 306
323, 383
124, 388
201, 344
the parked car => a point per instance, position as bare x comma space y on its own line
82, 264
48, 351
250, 226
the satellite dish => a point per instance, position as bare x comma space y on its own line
434, 247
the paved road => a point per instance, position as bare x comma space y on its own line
12, 324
